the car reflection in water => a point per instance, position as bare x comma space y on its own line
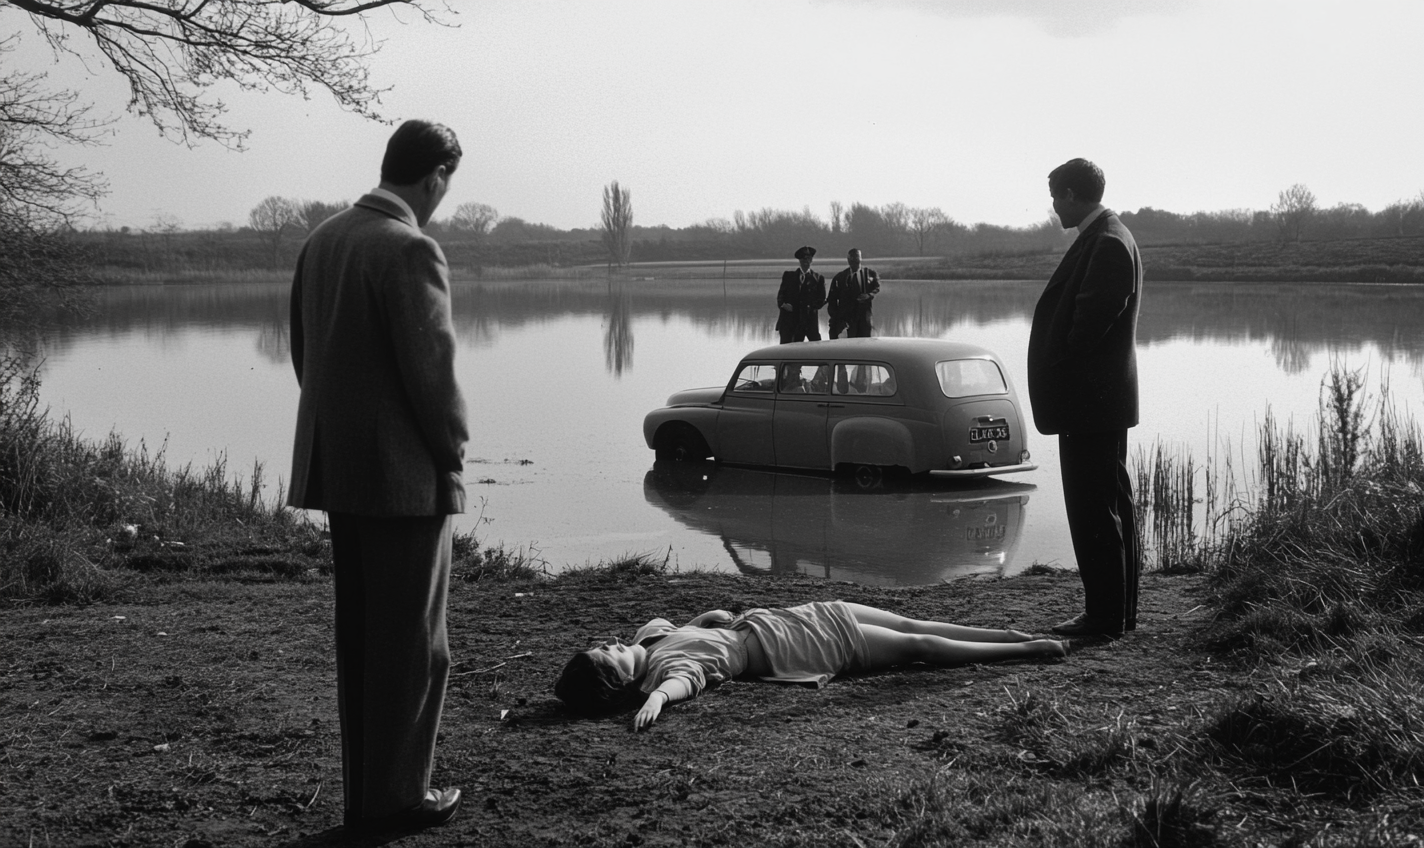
909, 531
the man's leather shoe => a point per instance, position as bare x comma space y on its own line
438, 807
1083, 625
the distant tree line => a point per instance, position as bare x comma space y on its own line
476, 236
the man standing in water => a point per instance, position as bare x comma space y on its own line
1082, 384
380, 447
799, 300
852, 291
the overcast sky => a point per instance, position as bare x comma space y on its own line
704, 108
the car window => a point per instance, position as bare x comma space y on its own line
863, 379
803, 378
755, 378
968, 377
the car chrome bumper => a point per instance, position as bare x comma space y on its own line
969, 473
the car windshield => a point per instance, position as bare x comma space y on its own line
755, 378
967, 377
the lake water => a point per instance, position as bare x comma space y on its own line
558, 376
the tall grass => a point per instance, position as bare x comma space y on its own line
76, 515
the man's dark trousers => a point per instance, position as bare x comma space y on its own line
392, 576
1097, 493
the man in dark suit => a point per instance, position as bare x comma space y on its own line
1082, 383
380, 447
800, 298
852, 291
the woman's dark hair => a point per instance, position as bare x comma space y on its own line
588, 686
1083, 177
416, 148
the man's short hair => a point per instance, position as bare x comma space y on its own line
416, 148
1083, 177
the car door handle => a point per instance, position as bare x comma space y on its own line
831, 405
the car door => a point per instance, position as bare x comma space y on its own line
744, 428
799, 423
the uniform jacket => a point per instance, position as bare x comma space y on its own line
805, 300
846, 286
381, 423
1082, 357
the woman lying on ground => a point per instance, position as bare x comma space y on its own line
807, 644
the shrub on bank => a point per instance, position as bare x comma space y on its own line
76, 515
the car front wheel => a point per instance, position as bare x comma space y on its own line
682, 444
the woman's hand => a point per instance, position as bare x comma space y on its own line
651, 709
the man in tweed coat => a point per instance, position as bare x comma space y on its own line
1082, 384
380, 447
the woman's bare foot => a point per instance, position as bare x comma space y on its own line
1050, 647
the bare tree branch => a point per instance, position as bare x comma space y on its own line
171, 52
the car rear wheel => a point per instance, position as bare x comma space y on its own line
682, 444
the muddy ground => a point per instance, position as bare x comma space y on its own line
203, 714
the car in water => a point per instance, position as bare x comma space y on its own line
867, 406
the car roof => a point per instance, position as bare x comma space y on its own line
892, 349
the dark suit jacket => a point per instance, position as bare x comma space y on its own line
381, 423
843, 302
1082, 350
805, 301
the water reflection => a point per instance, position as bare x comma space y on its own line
618, 330
771, 522
1297, 321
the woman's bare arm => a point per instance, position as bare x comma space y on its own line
711, 618
670, 690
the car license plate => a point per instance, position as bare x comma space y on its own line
992, 532
998, 432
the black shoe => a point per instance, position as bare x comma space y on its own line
438, 807
1083, 625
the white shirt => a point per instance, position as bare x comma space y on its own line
397, 200
1090, 218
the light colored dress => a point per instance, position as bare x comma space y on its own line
808, 644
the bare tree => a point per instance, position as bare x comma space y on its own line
271, 217
33, 188
1293, 210
474, 218
617, 222
40, 199
925, 223
310, 213
1404, 217
172, 53
837, 216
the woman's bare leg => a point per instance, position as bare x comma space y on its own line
886, 648
892, 621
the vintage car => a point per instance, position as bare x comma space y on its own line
864, 405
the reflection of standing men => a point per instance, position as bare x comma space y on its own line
1082, 383
852, 291
380, 447
801, 296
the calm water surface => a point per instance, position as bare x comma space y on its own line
558, 376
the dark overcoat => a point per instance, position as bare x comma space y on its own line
381, 422
1082, 357
806, 301
846, 288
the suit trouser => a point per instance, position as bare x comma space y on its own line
392, 578
858, 326
1097, 492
